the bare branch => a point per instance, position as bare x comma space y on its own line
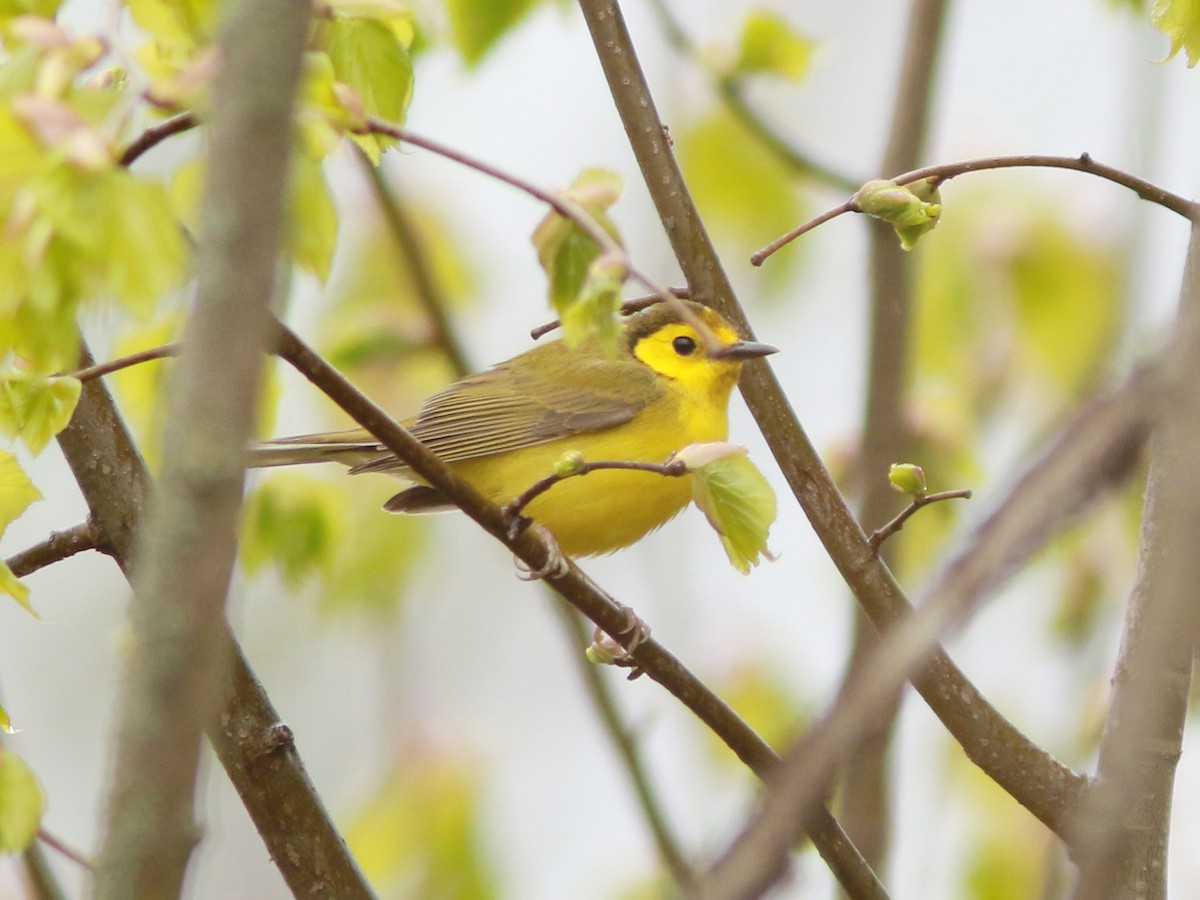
124, 362
59, 546
580, 591
879, 535
1095, 452
974, 722
180, 648
1123, 828
1147, 190
155, 135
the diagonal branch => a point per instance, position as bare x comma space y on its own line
974, 722
582, 593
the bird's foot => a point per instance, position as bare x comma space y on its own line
608, 650
556, 564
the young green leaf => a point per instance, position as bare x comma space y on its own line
294, 522
11, 585
578, 274
35, 407
735, 498
370, 56
907, 478
1180, 21
21, 803
5, 721
912, 209
770, 46
477, 25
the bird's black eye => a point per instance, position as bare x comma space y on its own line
684, 346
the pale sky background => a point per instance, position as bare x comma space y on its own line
477, 665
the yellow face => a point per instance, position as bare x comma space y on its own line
681, 355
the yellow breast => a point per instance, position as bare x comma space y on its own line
603, 511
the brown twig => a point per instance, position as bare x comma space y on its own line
155, 135
61, 847
124, 362
879, 535
513, 509
635, 304
1147, 190
564, 206
59, 546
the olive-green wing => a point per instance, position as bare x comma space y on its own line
531, 400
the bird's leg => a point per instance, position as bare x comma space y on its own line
606, 649
556, 562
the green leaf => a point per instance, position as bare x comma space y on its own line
21, 803
294, 522
370, 58
736, 499
477, 25
740, 202
770, 46
5, 721
419, 834
35, 407
11, 585
1180, 21
16, 490
46, 9
907, 478
179, 27
313, 221
584, 286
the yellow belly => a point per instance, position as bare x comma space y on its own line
602, 511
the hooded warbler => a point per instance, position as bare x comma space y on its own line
504, 429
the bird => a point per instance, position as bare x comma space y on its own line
666, 386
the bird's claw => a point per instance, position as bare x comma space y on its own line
556, 564
610, 651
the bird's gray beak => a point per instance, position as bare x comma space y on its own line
745, 350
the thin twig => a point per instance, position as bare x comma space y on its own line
574, 586
512, 510
59, 546
124, 362
879, 535
408, 241
62, 847
635, 304
1147, 190
564, 206
155, 135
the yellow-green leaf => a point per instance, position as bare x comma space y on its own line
294, 522
11, 585
769, 45
418, 836
578, 275
21, 803
313, 222
1180, 21
5, 721
907, 478
370, 58
477, 25
178, 27
744, 202
738, 502
35, 407
16, 490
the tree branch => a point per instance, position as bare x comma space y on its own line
1125, 824
155, 135
968, 716
59, 546
943, 172
581, 592
1094, 453
172, 677
886, 437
